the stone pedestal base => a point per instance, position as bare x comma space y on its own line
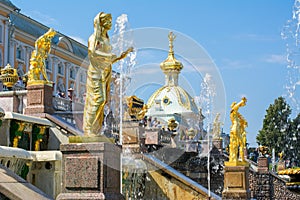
131, 132
263, 164
39, 99
90, 171
236, 183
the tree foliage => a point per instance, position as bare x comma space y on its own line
292, 147
276, 125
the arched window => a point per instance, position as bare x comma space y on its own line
1, 60
48, 65
1, 34
60, 69
20, 70
19, 53
72, 73
82, 78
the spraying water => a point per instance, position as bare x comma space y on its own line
121, 41
205, 102
291, 35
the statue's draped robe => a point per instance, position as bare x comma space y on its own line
98, 83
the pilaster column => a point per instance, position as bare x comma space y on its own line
67, 66
55, 61
27, 56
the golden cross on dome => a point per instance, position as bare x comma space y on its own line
171, 39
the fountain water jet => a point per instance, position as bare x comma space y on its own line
291, 35
122, 39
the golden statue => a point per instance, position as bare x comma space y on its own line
263, 151
136, 108
172, 125
99, 74
280, 156
38, 57
21, 127
237, 135
39, 137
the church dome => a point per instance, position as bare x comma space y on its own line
171, 98
168, 100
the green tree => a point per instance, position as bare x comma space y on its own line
292, 141
276, 125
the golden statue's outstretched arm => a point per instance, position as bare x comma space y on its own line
123, 55
240, 104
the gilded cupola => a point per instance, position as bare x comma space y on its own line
171, 67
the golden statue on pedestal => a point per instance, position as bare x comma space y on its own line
237, 135
99, 74
38, 57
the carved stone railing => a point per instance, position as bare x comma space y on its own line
62, 104
14, 101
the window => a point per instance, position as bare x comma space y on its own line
1, 34
1, 60
72, 85
60, 69
72, 73
82, 77
20, 70
19, 53
48, 65
112, 88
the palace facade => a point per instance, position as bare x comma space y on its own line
66, 64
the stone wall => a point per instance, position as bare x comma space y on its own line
278, 189
269, 186
259, 185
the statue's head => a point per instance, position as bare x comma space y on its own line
105, 20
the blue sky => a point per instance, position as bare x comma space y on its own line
242, 38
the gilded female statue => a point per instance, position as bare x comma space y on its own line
99, 74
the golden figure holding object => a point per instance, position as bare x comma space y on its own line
237, 135
99, 74
38, 57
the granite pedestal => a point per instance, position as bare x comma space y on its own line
263, 164
39, 99
90, 171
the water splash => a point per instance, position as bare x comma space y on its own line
291, 35
205, 101
121, 41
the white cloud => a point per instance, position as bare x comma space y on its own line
280, 59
